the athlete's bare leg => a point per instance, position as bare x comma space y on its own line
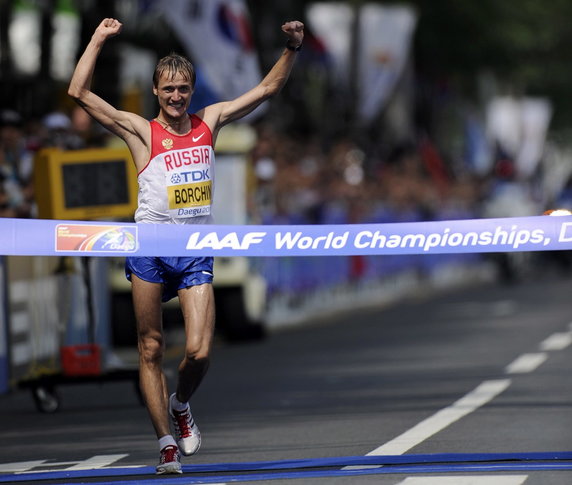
197, 305
148, 313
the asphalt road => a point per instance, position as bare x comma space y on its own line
474, 386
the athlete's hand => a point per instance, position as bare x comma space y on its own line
295, 32
108, 28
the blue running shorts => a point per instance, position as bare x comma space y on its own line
173, 273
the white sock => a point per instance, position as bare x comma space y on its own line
166, 440
177, 405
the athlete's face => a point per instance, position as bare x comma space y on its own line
174, 94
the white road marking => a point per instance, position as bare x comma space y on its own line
20, 466
459, 480
557, 341
98, 461
481, 395
526, 363
43, 466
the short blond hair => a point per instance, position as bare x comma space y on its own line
172, 65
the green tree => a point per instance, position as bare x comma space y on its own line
525, 44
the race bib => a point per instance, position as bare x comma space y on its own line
189, 192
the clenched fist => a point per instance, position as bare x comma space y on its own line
295, 32
108, 28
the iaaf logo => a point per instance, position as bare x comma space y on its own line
229, 241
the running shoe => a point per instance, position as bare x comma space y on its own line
169, 461
187, 432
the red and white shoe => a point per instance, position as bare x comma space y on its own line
169, 461
187, 432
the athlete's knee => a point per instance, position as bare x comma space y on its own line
151, 348
197, 350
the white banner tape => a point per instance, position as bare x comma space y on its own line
34, 237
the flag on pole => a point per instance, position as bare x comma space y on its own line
217, 35
384, 35
332, 24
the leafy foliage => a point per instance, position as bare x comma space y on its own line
526, 44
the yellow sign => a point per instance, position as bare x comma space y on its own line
86, 184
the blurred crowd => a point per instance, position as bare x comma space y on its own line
297, 180
301, 181
307, 181
304, 182
20, 140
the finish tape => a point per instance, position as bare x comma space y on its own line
40, 237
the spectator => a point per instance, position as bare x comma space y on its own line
59, 133
16, 166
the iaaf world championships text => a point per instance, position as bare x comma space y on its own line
513, 237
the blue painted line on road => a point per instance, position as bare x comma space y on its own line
395, 464
395, 470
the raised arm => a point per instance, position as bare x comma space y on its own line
220, 114
128, 126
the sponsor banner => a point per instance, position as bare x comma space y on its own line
49, 237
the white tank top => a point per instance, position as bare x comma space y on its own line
177, 185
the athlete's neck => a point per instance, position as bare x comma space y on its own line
179, 126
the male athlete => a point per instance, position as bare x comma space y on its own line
174, 157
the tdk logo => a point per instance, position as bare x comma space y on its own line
193, 176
